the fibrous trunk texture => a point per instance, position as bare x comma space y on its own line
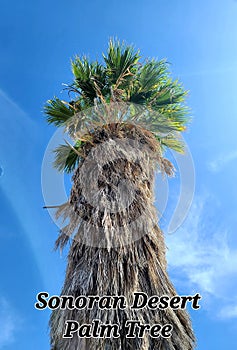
117, 247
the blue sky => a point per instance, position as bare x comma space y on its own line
37, 41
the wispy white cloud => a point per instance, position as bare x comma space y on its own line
9, 323
229, 311
223, 159
202, 255
19, 152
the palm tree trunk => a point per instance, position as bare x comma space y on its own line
117, 246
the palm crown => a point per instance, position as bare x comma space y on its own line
144, 92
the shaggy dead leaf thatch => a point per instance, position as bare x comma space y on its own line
117, 247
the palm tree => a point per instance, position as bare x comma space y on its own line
123, 115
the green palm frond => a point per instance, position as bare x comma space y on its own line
58, 112
89, 77
171, 92
179, 114
67, 157
148, 79
121, 63
171, 142
151, 75
154, 88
